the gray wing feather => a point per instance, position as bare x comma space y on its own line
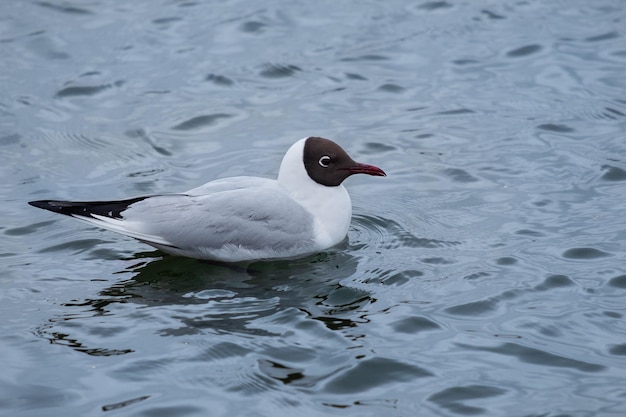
253, 219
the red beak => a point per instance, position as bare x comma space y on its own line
366, 169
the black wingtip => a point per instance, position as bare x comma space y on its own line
62, 207
112, 209
42, 204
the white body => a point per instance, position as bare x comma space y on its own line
241, 218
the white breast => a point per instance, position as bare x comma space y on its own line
330, 206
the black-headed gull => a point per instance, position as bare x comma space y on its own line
305, 210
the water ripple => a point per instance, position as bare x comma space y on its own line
492, 304
524, 51
220, 80
454, 399
199, 122
485, 272
64, 9
279, 70
85, 90
378, 232
388, 371
539, 357
415, 324
434, 5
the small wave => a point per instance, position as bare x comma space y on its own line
454, 398
65, 8
200, 122
220, 80
253, 26
388, 371
524, 51
85, 90
376, 231
279, 71
537, 357
585, 253
613, 173
431, 6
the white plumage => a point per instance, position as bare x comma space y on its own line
241, 218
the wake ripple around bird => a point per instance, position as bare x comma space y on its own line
378, 233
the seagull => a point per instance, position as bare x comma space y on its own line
304, 211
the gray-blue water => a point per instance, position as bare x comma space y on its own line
484, 276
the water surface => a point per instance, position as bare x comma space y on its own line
484, 276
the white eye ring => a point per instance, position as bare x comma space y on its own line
324, 161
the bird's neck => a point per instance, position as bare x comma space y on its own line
330, 206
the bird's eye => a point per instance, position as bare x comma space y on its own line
325, 161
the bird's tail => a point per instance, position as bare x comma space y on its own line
110, 209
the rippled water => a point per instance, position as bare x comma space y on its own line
484, 276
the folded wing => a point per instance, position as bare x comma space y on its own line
212, 223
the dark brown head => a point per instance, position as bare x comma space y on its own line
328, 164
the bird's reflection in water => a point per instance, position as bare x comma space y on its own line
200, 296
